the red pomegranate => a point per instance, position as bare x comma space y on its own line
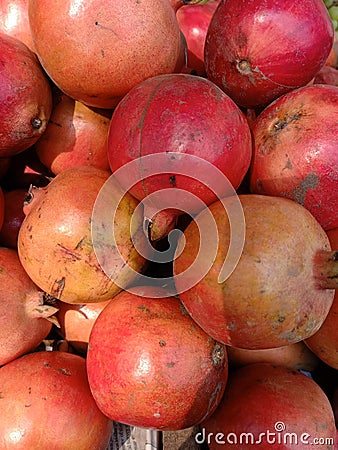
25, 313
150, 365
13, 217
26, 98
46, 403
324, 343
194, 22
14, 21
280, 289
96, 51
182, 133
267, 406
295, 151
327, 75
76, 323
59, 225
258, 50
76, 135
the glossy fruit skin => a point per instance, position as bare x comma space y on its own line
76, 135
25, 98
150, 365
59, 222
271, 298
96, 51
274, 400
46, 403
295, 151
14, 21
194, 21
179, 113
13, 217
324, 343
22, 321
258, 50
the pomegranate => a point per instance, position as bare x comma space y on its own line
258, 50
175, 123
282, 287
327, 75
76, 323
13, 217
25, 312
46, 403
150, 365
194, 22
14, 21
324, 343
295, 356
96, 51
269, 406
76, 135
295, 151
26, 98
58, 225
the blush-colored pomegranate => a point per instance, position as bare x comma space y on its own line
150, 365
282, 287
267, 406
14, 21
76, 135
96, 51
25, 97
55, 242
76, 323
163, 121
194, 21
295, 356
46, 403
24, 309
258, 50
324, 343
13, 217
295, 151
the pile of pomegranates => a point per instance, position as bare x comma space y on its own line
169, 222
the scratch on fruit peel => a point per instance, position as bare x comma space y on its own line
58, 287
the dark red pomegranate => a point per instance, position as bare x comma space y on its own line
182, 133
267, 406
194, 22
150, 365
25, 311
46, 403
13, 217
279, 290
258, 50
25, 97
295, 151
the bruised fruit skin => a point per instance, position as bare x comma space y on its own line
76, 135
324, 343
295, 151
96, 51
150, 365
258, 50
55, 241
283, 405
272, 298
25, 97
46, 403
14, 21
23, 312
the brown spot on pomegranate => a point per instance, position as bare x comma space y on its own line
298, 194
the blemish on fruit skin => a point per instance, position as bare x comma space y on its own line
298, 194
162, 343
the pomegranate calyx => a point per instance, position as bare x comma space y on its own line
326, 269
42, 306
